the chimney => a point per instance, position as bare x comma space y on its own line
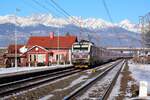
51, 35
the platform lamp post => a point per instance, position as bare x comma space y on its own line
58, 48
16, 64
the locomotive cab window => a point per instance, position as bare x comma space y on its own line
76, 49
80, 47
84, 49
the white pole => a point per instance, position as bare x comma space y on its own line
143, 89
58, 47
70, 54
16, 65
29, 60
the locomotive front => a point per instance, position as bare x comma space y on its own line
81, 54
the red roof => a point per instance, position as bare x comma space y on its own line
11, 48
47, 42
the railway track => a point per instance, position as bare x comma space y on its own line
10, 77
102, 88
23, 84
108, 89
9, 88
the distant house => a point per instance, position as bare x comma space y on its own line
10, 55
3, 50
47, 50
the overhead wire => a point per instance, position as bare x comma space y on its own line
60, 10
110, 18
44, 7
63, 10
48, 10
31, 6
107, 11
55, 8
69, 15
74, 21
65, 14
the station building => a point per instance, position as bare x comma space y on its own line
46, 50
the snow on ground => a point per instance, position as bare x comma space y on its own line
21, 69
75, 82
116, 90
140, 72
47, 97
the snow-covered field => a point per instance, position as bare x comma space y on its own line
24, 69
140, 72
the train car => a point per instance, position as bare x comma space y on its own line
85, 54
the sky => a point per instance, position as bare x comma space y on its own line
119, 9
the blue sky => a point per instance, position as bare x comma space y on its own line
119, 9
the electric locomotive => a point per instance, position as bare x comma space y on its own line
81, 53
85, 54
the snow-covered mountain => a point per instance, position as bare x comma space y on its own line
49, 20
100, 31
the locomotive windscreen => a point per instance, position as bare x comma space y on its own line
80, 47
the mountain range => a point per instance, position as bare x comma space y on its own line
101, 32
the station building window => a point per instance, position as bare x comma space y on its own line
30, 58
34, 57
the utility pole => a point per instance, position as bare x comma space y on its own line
145, 32
80, 34
16, 63
145, 28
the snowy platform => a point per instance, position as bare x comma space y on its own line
22, 70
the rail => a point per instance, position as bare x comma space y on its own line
73, 94
20, 85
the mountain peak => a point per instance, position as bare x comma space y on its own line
126, 24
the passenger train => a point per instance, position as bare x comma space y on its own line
85, 54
